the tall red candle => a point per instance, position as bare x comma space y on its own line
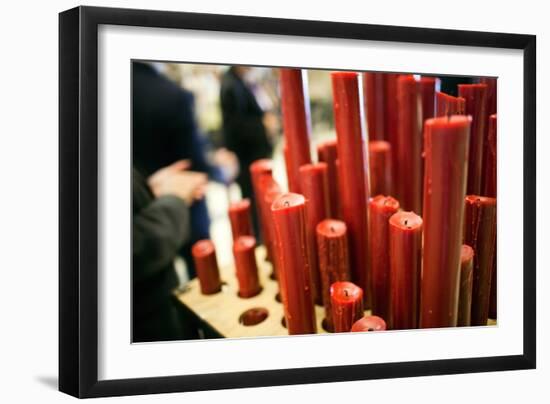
289, 219
446, 158
247, 270
270, 190
480, 233
204, 256
259, 169
327, 152
466, 282
314, 185
296, 123
381, 208
380, 168
427, 95
491, 83
332, 248
392, 114
375, 106
347, 305
446, 104
239, 217
405, 262
369, 323
490, 160
354, 178
408, 149
476, 106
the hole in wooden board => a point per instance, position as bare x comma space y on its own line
253, 316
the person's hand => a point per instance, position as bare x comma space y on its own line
228, 162
175, 180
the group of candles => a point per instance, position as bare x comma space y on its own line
403, 224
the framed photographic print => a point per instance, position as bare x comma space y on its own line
249, 201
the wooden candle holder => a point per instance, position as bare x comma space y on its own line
222, 311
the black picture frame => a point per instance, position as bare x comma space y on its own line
78, 200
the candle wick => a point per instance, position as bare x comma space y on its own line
287, 204
332, 229
346, 292
370, 329
406, 222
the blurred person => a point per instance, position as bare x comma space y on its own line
160, 226
165, 130
246, 126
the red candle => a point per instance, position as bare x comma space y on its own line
369, 323
375, 105
204, 256
296, 123
239, 216
381, 208
476, 106
332, 248
493, 300
270, 190
259, 169
408, 148
480, 232
392, 114
327, 152
446, 159
466, 282
491, 83
490, 160
405, 262
353, 170
380, 168
314, 185
347, 305
247, 270
427, 95
448, 105
289, 219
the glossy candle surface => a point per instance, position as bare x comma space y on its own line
408, 149
204, 256
380, 168
240, 219
353, 170
381, 208
296, 123
446, 104
446, 151
375, 105
314, 185
369, 323
405, 237
258, 169
245, 263
490, 160
327, 152
476, 106
332, 248
480, 233
466, 282
291, 246
346, 300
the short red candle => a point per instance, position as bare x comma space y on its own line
353, 170
405, 263
446, 154
245, 262
490, 160
332, 248
296, 123
291, 244
476, 106
466, 282
327, 152
381, 208
446, 105
240, 219
259, 169
314, 185
347, 305
408, 149
480, 232
380, 168
204, 256
369, 323
375, 106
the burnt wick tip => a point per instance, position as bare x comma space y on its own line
287, 204
332, 229
346, 292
